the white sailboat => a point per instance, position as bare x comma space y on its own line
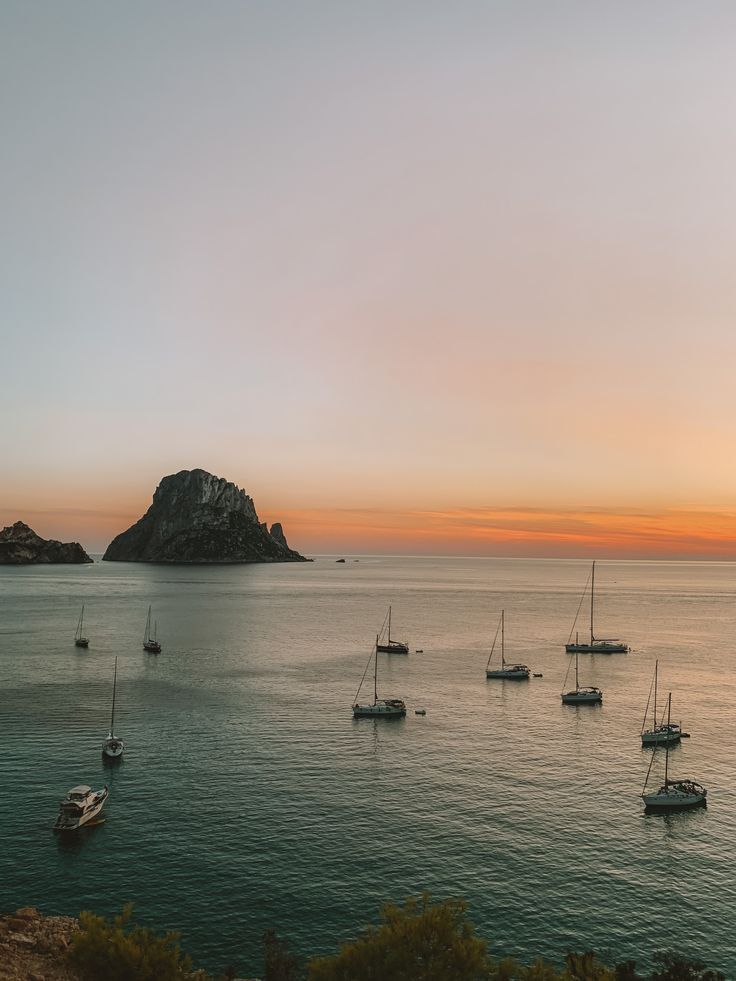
580, 696
595, 645
662, 732
392, 646
150, 643
113, 746
79, 639
673, 795
379, 708
516, 672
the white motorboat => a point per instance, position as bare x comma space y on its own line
113, 746
390, 646
79, 639
379, 708
580, 696
673, 795
595, 645
660, 733
514, 672
79, 806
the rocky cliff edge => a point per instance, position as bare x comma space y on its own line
199, 518
20, 545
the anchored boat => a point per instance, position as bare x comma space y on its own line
79, 639
379, 708
596, 645
390, 646
580, 696
79, 806
150, 643
673, 795
663, 732
113, 746
515, 672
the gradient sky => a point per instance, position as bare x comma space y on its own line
420, 276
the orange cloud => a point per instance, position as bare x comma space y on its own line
664, 533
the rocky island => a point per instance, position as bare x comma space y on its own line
199, 518
20, 545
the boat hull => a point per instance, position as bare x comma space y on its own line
581, 698
661, 737
395, 647
152, 646
381, 710
598, 647
81, 642
510, 674
674, 798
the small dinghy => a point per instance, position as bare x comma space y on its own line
420, 711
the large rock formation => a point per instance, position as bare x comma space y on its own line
20, 545
196, 517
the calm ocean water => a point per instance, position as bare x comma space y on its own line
249, 798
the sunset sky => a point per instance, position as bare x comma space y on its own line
421, 276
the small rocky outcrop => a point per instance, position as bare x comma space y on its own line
20, 545
32, 946
199, 518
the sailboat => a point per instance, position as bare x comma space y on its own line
580, 696
518, 672
113, 746
673, 795
150, 643
663, 732
392, 646
79, 639
379, 708
596, 645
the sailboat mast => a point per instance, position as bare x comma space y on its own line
577, 683
667, 742
389, 625
375, 674
147, 631
114, 686
503, 656
656, 665
592, 590
81, 621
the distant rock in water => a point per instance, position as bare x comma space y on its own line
277, 533
20, 545
196, 517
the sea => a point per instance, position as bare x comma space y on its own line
250, 799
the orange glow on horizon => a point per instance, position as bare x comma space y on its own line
696, 533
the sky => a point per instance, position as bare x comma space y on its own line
421, 277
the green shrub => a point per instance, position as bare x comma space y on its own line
675, 967
119, 951
421, 941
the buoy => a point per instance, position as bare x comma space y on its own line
419, 650
538, 675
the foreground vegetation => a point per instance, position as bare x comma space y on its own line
419, 941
